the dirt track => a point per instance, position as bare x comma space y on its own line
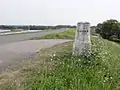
12, 53
6, 39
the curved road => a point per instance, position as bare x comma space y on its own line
20, 37
15, 48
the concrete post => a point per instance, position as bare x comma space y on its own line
82, 44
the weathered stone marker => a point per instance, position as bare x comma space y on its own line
82, 44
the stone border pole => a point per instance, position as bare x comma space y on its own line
82, 44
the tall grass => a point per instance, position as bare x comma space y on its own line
62, 71
100, 71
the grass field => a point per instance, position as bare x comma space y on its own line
100, 71
69, 34
56, 69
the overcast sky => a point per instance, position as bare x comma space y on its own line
53, 12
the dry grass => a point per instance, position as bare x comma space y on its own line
13, 79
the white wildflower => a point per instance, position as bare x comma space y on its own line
106, 78
104, 81
54, 55
105, 52
79, 60
51, 59
110, 77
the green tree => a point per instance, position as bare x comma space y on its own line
98, 28
109, 28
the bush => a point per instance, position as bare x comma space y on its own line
109, 28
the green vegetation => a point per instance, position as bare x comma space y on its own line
100, 71
69, 34
109, 29
56, 69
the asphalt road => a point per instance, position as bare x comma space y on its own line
20, 37
13, 53
16, 48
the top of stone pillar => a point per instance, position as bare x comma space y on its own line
79, 23
82, 23
87, 23
83, 27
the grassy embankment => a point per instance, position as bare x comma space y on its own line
100, 71
59, 70
69, 34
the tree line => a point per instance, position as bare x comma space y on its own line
34, 27
109, 29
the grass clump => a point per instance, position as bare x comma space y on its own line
100, 71
69, 34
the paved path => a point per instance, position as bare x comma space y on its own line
19, 32
10, 53
20, 37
